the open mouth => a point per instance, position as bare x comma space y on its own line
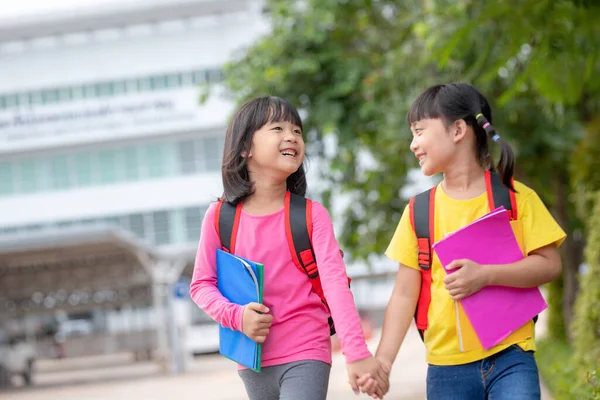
289, 153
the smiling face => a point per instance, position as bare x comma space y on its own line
277, 149
433, 144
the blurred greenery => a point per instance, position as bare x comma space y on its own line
354, 66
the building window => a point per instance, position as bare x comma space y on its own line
60, 173
28, 176
212, 154
160, 227
83, 170
135, 224
6, 179
193, 222
155, 227
187, 157
107, 168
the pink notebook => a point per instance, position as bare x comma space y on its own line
495, 311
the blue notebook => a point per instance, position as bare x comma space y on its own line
241, 282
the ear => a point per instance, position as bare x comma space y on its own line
246, 154
459, 130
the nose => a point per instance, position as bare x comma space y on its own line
414, 145
290, 136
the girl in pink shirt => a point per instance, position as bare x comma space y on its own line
262, 160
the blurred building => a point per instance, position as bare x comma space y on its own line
108, 159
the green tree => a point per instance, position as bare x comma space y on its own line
354, 66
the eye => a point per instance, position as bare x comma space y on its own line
418, 131
298, 132
276, 128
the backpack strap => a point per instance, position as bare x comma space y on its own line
298, 230
227, 221
499, 195
422, 217
422, 211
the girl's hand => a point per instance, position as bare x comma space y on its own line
372, 374
370, 386
469, 278
256, 325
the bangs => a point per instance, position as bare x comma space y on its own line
425, 106
279, 110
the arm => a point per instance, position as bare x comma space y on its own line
335, 286
203, 289
541, 237
540, 267
399, 313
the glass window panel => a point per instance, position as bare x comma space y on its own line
187, 79
135, 224
199, 76
6, 179
156, 160
131, 164
161, 227
212, 154
159, 82
83, 170
50, 96
60, 173
104, 89
107, 170
90, 91
77, 92
193, 222
119, 87
28, 174
11, 101
187, 157
173, 80
144, 84
215, 75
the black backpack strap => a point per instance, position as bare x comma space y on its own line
227, 218
298, 210
499, 195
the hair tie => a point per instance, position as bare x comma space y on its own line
495, 137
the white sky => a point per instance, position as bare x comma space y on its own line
20, 8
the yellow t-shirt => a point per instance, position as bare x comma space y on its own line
534, 228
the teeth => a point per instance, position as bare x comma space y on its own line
289, 153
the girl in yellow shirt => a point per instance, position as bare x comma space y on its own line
451, 126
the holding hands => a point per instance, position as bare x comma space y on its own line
370, 376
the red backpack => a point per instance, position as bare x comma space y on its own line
298, 230
422, 217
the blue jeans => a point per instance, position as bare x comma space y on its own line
511, 374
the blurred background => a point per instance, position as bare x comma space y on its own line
112, 120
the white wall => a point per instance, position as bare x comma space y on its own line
128, 52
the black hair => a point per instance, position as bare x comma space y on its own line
249, 118
455, 101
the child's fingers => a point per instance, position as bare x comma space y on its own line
363, 380
354, 386
369, 387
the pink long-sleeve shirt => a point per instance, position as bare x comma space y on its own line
299, 330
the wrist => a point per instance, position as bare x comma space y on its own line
488, 275
385, 358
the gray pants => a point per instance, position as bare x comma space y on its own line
300, 380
